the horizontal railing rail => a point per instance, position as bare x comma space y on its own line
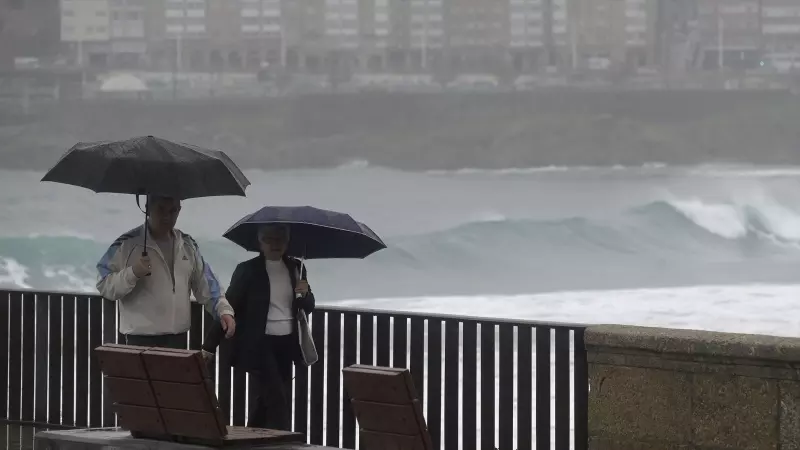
485, 383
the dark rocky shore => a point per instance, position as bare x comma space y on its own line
435, 131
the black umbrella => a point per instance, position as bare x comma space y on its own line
149, 166
315, 233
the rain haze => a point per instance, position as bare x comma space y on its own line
581, 161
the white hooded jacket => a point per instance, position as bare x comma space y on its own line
159, 303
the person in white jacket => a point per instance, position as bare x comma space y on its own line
153, 291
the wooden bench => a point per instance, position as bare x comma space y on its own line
387, 408
168, 394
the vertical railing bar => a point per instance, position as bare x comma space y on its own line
487, 364
452, 353
5, 317
82, 361
54, 360
470, 386
542, 387
109, 337
562, 390
42, 343
68, 359
581, 392
417, 355
506, 387
28, 354
333, 385
95, 376
524, 387
317, 411
15, 356
349, 357
434, 394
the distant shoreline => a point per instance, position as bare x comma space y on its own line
446, 131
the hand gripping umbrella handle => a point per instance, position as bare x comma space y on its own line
146, 215
302, 277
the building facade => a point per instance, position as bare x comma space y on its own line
399, 35
85, 31
416, 35
730, 33
29, 28
780, 25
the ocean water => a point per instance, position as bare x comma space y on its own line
707, 247
673, 246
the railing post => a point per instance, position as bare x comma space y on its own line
5, 318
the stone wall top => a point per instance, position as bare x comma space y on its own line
695, 342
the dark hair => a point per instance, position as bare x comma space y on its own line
275, 226
155, 198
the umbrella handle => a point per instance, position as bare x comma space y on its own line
302, 277
146, 215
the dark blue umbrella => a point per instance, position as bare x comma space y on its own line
315, 233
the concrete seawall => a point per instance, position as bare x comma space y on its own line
436, 131
660, 389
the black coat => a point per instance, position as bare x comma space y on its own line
248, 294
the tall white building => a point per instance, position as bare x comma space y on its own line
730, 27
559, 21
185, 17
342, 24
127, 31
185, 20
261, 18
84, 20
85, 28
780, 25
637, 18
526, 24
427, 25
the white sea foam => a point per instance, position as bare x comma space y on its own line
754, 308
13, 274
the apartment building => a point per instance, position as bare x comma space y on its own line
780, 26
426, 32
262, 32
600, 34
128, 43
378, 35
29, 28
730, 33
85, 31
530, 32
477, 31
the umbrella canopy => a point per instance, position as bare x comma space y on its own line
149, 165
315, 233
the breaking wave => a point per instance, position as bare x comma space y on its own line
490, 250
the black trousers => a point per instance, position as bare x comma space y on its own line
159, 340
272, 384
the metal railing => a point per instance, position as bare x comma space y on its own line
480, 379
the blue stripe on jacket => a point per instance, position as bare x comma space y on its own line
103, 266
213, 286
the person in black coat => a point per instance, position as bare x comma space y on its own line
267, 293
